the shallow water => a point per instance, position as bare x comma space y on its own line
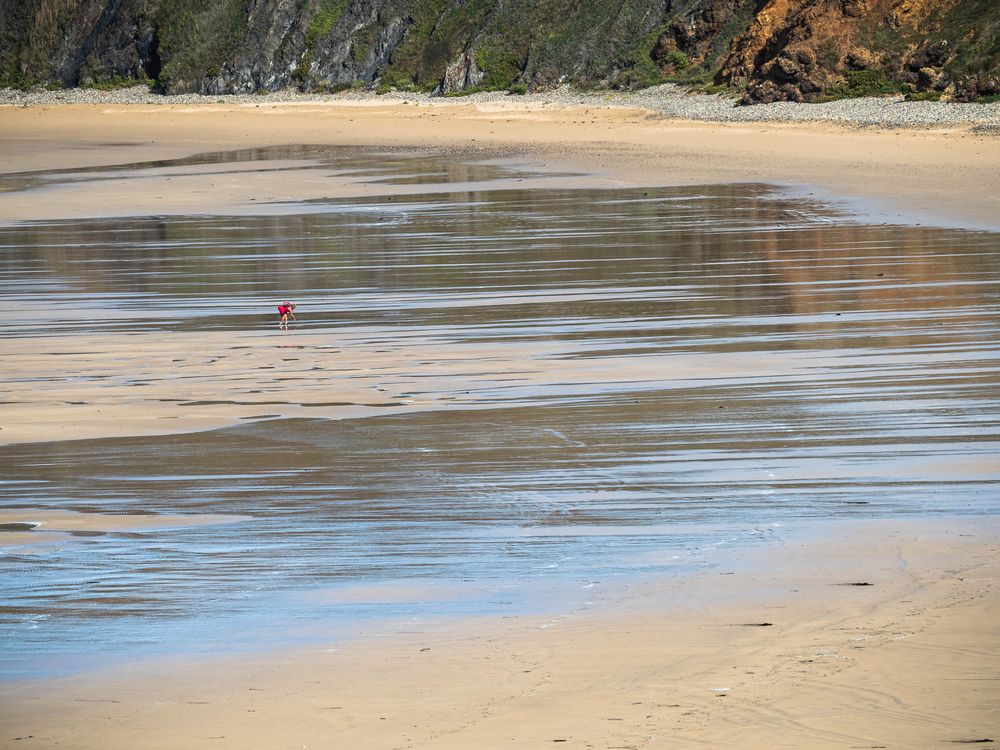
698, 365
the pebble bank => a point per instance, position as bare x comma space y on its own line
667, 101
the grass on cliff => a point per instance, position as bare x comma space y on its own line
867, 82
514, 42
539, 42
975, 24
117, 82
544, 42
968, 29
439, 31
640, 69
703, 75
196, 38
29, 33
327, 15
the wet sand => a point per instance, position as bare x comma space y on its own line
905, 175
908, 662
871, 634
447, 302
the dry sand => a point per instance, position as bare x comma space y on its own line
909, 662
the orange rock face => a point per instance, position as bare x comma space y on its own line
802, 50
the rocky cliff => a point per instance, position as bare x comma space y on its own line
801, 50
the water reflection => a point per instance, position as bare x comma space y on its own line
723, 251
580, 384
386, 166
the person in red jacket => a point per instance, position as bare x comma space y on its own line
285, 311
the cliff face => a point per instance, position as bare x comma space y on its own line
802, 51
770, 49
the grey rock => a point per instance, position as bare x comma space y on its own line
462, 74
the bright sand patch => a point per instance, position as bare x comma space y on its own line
950, 177
55, 525
125, 385
910, 661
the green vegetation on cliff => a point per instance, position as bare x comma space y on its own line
955, 50
196, 38
975, 27
547, 41
327, 14
30, 33
771, 49
438, 32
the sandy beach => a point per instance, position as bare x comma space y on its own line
877, 634
834, 634
906, 175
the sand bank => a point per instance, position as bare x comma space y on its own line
25, 528
943, 176
846, 634
186, 382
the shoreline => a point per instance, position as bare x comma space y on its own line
904, 175
872, 632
